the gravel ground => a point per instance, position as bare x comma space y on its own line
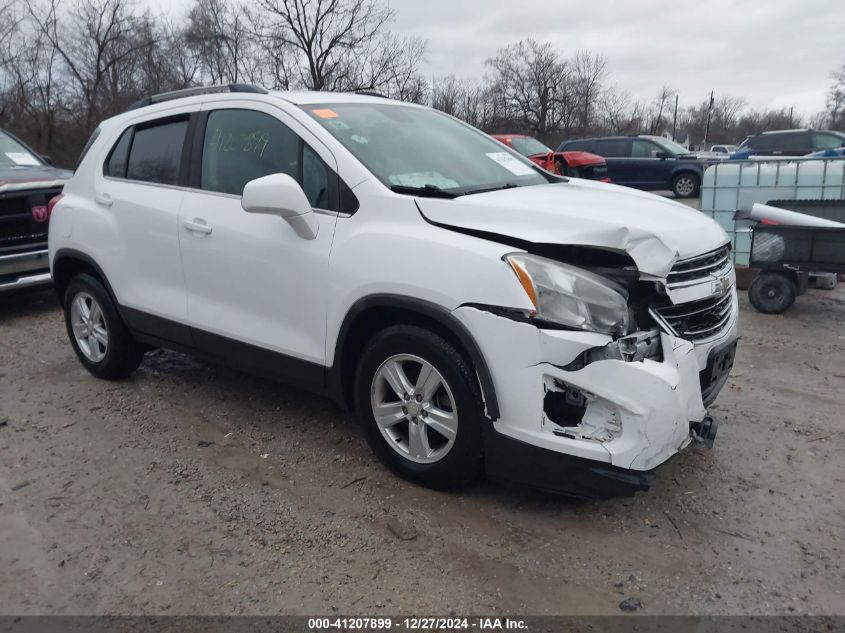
193, 489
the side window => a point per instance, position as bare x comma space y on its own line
761, 142
156, 152
242, 145
578, 146
793, 141
115, 166
519, 145
612, 148
644, 149
827, 141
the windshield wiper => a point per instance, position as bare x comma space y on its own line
426, 191
509, 185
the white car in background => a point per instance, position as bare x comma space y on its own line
723, 149
476, 312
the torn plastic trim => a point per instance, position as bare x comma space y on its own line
633, 348
579, 414
522, 316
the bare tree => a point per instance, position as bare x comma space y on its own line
388, 64
218, 35
96, 37
325, 32
661, 104
615, 107
531, 80
836, 100
588, 74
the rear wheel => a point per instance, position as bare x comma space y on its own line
685, 185
97, 334
772, 293
418, 403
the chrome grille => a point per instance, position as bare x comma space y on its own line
698, 268
697, 320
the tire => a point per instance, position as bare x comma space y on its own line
450, 464
562, 169
772, 293
101, 341
686, 185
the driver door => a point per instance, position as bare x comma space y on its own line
256, 289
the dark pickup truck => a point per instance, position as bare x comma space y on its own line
27, 184
651, 163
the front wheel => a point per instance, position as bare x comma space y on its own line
685, 186
97, 333
418, 402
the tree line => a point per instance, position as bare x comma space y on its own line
67, 64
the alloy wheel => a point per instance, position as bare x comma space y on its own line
684, 186
89, 327
414, 408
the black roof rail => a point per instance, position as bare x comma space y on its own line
192, 92
371, 93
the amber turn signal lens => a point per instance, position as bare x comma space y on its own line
526, 282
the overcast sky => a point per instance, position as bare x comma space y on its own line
771, 52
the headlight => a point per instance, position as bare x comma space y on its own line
571, 296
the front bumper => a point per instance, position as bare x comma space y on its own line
634, 416
23, 270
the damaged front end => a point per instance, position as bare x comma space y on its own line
604, 408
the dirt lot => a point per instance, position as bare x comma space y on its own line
194, 489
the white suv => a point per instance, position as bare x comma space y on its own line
476, 312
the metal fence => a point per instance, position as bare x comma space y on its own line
733, 185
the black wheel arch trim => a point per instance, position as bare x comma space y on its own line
72, 253
427, 309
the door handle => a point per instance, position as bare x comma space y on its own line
197, 225
103, 199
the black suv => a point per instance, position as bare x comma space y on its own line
652, 163
790, 143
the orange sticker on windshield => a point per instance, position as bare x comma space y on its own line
325, 113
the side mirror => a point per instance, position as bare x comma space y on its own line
281, 195
661, 155
47, 159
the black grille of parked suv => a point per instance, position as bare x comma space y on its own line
21, 228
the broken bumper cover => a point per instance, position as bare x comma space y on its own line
619, 419
518, 462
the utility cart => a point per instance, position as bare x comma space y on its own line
786, 255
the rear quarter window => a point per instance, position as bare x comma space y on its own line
115, 166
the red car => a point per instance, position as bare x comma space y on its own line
575, 164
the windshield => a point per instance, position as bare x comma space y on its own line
408, 147
528, 146
12, 153
670, 146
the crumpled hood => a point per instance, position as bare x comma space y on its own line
32, 177
654, 231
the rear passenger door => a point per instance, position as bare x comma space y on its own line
617, 152
257, 289
139, 191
